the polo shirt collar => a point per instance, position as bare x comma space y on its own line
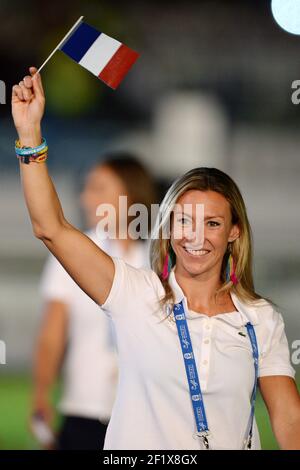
248, 312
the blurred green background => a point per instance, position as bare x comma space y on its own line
15, 403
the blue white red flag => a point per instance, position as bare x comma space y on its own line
105, 57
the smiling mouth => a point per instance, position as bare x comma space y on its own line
196, 252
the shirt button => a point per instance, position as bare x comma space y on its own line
205, 362
206, 341
208, 327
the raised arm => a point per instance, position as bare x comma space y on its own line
87, 264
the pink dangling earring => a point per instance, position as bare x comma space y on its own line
230, 270
167, 267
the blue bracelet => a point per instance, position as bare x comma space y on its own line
30, 150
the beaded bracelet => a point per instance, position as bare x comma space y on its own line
37, 154
23, 150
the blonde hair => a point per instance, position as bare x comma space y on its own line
208, 179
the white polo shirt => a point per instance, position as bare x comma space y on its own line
153, 408
90, 370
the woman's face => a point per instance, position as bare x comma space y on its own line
102, 186
200, 239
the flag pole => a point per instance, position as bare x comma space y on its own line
61, 42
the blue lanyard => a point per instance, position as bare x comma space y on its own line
193, 379
255, 354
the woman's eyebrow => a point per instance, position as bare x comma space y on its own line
182, 212
213, 217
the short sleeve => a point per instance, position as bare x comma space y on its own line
275, 358
55, 283
132, 289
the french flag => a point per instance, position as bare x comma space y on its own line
105, 57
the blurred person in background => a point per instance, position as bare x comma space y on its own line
72, 333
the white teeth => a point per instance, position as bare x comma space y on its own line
197, 252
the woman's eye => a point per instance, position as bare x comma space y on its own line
213, 223
182, 220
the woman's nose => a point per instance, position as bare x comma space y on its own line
195, 235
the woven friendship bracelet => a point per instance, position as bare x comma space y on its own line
31, 158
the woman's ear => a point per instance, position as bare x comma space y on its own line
234, 233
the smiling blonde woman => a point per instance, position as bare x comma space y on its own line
194, 338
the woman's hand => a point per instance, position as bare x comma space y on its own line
28, 104
41, 423
43, 408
